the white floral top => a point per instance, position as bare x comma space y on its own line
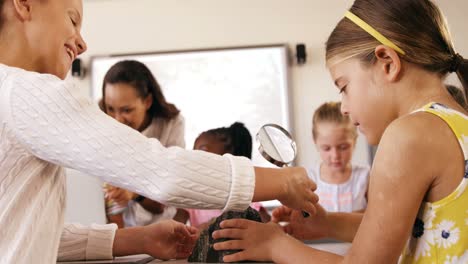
440, 233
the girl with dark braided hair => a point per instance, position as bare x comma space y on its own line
235, 140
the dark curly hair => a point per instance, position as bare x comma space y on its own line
236, 139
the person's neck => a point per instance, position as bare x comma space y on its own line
335, 176
14, 53
146, 123
419, 89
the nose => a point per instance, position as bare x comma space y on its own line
344, 109
119, 118
335, 154
81, 44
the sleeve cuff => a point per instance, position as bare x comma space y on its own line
242, 184
100, 241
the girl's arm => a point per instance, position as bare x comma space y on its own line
343, 226
339, 226
405, 167
266, 242
408, 160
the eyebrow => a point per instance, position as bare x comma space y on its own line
119, 107
124, 107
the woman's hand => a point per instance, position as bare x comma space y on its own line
163, 240
299, 190
310, 228
170, 240
291, 186
258, 241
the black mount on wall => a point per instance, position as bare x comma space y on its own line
301, 54
78, 70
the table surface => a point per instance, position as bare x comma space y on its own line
337, 248
334, 247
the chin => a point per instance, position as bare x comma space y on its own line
337, 169
63, 70
60, 73
62, 76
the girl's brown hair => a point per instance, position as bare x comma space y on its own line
331, 112
416, 26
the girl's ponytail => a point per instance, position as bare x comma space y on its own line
461, 68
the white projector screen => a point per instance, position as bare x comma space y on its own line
215, 88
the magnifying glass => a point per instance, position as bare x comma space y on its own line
277, 146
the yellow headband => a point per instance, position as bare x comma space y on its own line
362, 24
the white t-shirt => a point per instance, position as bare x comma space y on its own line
170, 133
46, 125
349, 196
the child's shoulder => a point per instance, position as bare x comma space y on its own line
419, 144
417, 128
415, 136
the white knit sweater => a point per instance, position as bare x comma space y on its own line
45, 126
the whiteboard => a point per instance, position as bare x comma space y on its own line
215, 88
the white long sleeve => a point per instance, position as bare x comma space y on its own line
80, 242
45, 126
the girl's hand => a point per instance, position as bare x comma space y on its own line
118, 195
258, 241
310, 228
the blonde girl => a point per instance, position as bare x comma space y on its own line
341, 186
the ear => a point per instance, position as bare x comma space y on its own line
22, 9
389, 62
148, 101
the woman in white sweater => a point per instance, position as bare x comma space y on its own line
45, 126
132, 96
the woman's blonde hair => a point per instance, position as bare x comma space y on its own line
416, 26
330, 112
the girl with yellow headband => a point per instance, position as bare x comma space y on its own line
388, 60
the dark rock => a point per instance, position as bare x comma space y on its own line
204, 251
